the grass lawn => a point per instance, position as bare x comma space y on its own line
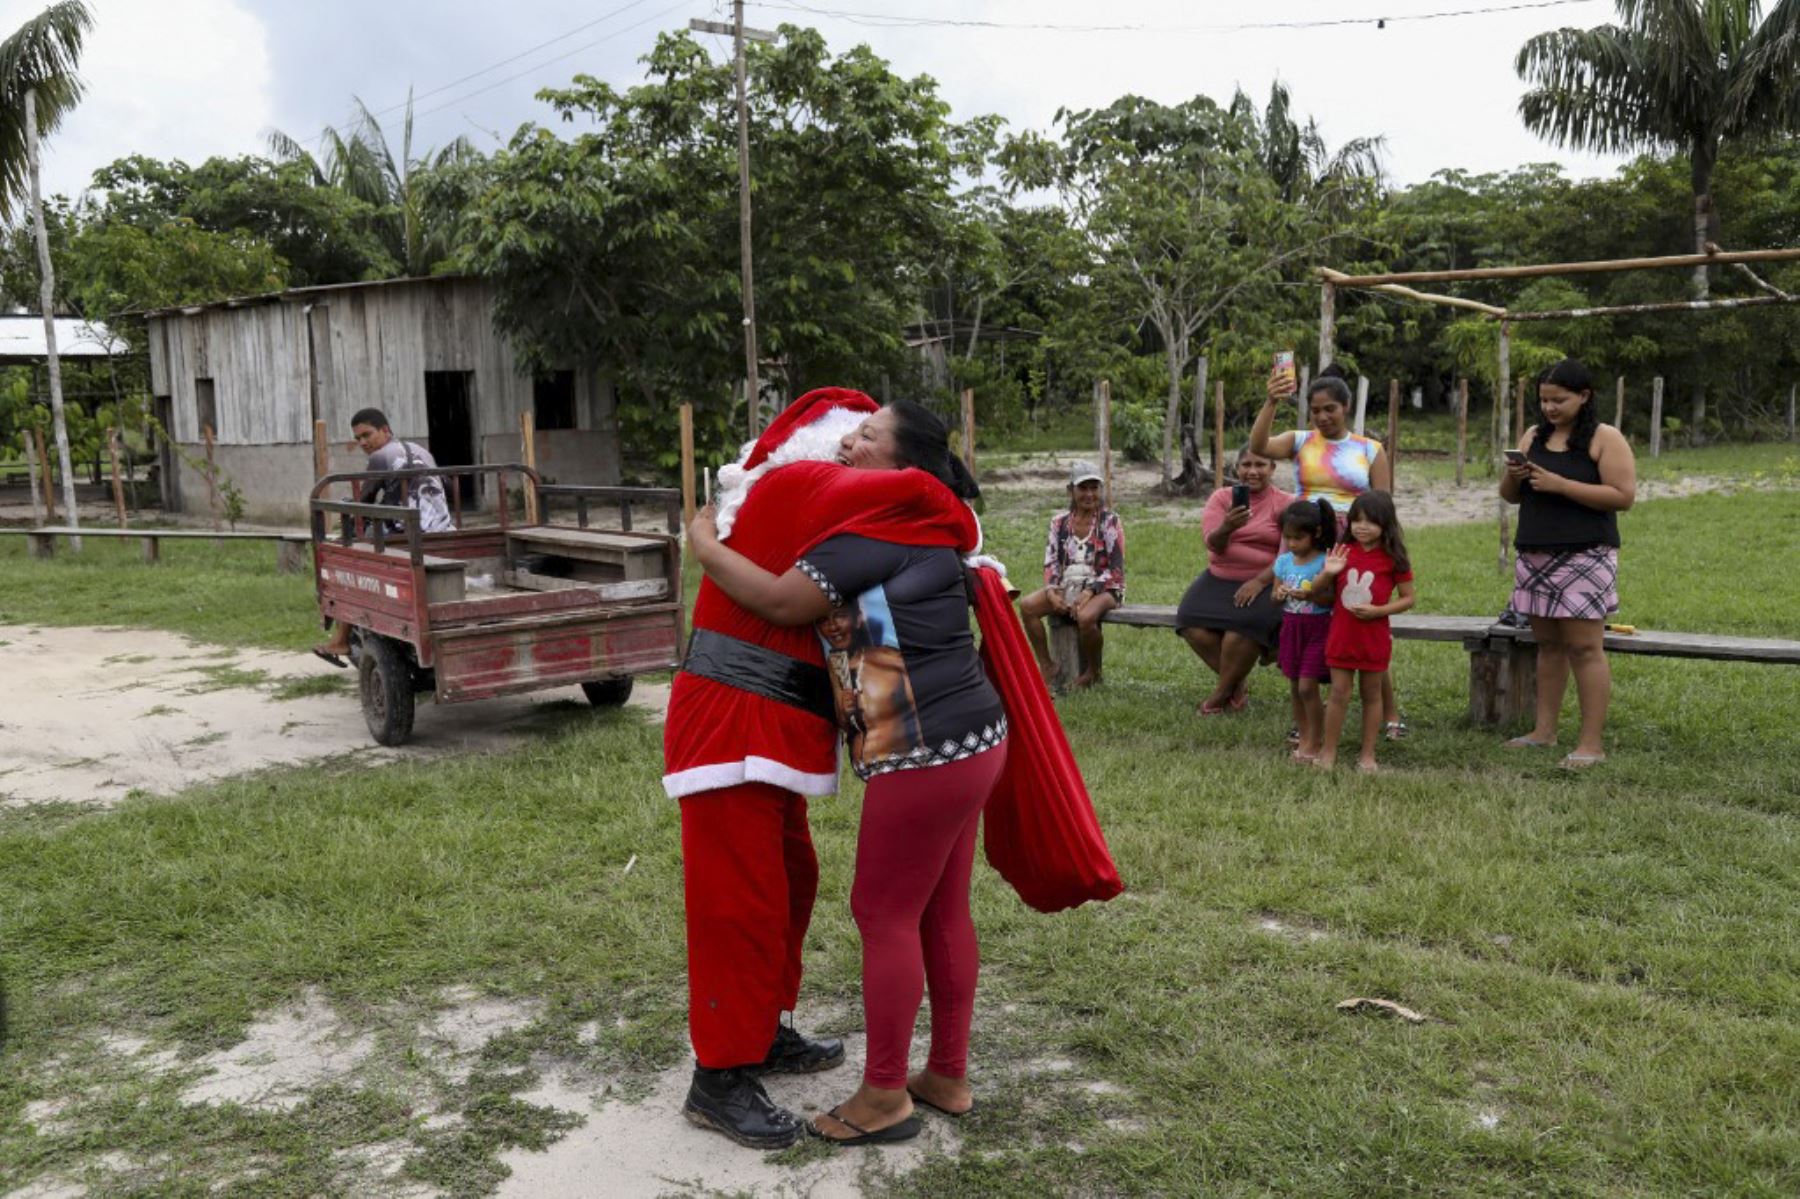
1610, 961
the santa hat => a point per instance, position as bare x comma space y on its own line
809, 430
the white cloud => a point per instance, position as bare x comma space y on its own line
170, 78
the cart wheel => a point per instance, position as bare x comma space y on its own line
608, 693
387, 696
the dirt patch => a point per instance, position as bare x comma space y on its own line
113, 711
646, 1148
283, 1057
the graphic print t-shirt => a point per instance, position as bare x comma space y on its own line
908, 686
1295, 575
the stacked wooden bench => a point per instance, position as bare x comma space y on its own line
1502, 659
290, 548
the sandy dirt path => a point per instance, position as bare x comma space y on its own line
90, 715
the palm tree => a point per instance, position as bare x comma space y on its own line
1681, 75
362, 164
38, 87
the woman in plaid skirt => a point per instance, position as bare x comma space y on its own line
1575, 477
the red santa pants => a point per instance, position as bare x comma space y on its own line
747, 859
915, 850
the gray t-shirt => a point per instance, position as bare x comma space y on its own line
425, 493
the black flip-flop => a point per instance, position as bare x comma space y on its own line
331, 658
942, 1111
906, 1130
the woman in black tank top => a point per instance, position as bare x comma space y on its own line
1571, 479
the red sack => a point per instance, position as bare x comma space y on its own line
1039, 826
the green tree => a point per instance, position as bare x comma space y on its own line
1684, 75
38, 86
361, 164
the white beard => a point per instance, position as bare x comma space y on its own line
817, 442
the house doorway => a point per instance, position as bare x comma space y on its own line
450, 423
168, 468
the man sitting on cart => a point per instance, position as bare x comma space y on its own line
426, 493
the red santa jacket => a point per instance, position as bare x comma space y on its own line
722, 733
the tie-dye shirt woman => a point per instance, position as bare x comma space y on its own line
1336, 470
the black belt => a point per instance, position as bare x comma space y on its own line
760, 671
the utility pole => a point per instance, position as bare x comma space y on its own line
739, 34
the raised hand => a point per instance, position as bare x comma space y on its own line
1335, 561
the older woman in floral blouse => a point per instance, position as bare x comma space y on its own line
1084, 573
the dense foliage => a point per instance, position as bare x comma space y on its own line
904, 250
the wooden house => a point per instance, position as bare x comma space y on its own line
260, 370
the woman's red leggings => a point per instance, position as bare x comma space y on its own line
914, 853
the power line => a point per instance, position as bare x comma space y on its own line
897, 21
494, 66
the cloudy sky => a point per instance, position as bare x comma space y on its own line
192, 78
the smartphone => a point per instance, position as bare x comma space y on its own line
1515, 457
1284, 366
1240, 496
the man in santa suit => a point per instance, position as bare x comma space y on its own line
750, 736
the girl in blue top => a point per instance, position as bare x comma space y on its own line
1308, 530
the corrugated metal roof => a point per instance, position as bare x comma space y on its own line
22, 339
295, 293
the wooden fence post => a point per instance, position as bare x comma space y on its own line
321, 451
49, 477
31, 471
1198, 424
212, 477
1393, 435
687, 465
1519, 400
1301, 416
118, 488
1656, 398
1327, 323
528, 446
1462, 428
1219, 433
1619, 407
1497, 439
968, 428
1362, 404
1103, 435
1791, 389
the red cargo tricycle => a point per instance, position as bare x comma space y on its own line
498, 609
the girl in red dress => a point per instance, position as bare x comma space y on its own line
1374, 581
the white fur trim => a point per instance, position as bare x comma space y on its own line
696, 779
817, 442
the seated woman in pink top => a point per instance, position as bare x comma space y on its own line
1220, 617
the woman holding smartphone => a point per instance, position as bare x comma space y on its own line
1224, 617
1571, 477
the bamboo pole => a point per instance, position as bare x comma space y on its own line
1619, 407
1425, 297
1538, 270
1103, 419
212, 477
1219, 433
118, 484
1362, 403
1656, 401
968, 428
31, 470
1562, 314
1327, 322
528, 455
687, 465
1393, 435
1462, 428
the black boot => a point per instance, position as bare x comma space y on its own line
734, 1103
793, 1053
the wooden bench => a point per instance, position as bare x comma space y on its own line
1502, 659
290, 548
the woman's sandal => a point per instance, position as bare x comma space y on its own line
905, 1130
1527, 743
1208, 708
942, 1111
1581, 761
320, 651
1395, 730
1239, 702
